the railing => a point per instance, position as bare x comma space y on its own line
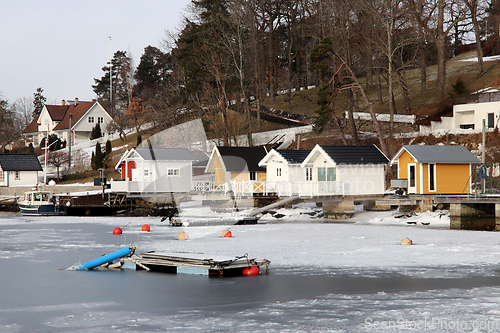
280, 188
284, 188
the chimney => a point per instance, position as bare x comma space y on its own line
63, 102
76, 101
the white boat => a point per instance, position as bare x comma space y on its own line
39, 203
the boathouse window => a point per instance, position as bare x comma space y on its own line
173, 172
278, 172
18, 176
432, 177
309, 174
326, 174
146, 172
253, 175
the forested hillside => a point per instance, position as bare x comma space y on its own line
234, 56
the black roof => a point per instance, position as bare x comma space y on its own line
356, 154
242, 158
20, 162
293, 156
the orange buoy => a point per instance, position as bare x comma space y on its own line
406, 241
227, 233
252, 270
117, 231
146, 227
183, 236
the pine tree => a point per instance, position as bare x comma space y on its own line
38, 102
96, 132
97, 157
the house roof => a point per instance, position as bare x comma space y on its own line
353, 154
20, 162
165, 154
293, 156
437, 154
76, 111
242, 158
60, 113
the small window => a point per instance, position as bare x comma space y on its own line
491, 120
173, 172
253, 175
146, 172
278, 172
91, 120
18, 176
432, 177
309, 175
100, 120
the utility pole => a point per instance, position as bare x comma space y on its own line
111, 77
70, 139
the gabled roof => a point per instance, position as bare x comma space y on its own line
289, 156
165, 154
293, 156
20, 162
237, 159
76, 111
437, 154
349, 154
159, 154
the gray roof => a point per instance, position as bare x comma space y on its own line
355, 154
441, 154
20, 162
293, 156
165, 154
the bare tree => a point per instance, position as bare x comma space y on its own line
438, 29
57, 159
23, 107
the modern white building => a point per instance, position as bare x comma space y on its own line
467, 116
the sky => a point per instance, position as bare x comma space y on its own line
61, 45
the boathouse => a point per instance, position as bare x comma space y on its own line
155, 170
435, 169
237, 168
20, 170
346, 170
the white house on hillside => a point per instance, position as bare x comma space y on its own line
56, 119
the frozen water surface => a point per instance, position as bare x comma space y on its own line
324, 277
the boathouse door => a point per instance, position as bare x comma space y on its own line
412, 178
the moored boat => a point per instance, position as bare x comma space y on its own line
39, 203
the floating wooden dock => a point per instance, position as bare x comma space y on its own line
199, 264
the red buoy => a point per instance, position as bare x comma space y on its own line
227, 233
117, 231
146, 228
253, 270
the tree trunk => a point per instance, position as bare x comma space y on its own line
352, 124
370, 108
406, 93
